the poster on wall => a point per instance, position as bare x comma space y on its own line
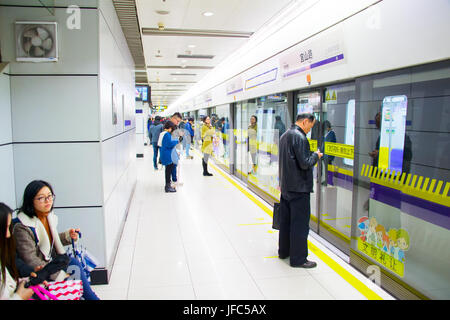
114, 104
36, 41
123, 111
387, 247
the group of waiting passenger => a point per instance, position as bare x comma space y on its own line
166, 135
29, 242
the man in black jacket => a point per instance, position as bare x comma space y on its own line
296, 184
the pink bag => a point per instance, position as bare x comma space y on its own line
63, 290
42, 293
66, 290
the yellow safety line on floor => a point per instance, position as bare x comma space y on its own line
347, 276
250, 196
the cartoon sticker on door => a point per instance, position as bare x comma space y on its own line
386, 247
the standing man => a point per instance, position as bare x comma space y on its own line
153, 135
296, 184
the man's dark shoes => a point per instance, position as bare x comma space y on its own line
170, 189
306, 265
283, 257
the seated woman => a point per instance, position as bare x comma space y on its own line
37, 239
10, 288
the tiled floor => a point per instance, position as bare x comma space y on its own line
209, 241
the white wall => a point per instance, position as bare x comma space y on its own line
55, 117
116, 66
7, 194
61, 126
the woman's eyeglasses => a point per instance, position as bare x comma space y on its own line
43, 199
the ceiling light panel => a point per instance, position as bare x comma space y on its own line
179, 67
183, 74
195, 56
195, 33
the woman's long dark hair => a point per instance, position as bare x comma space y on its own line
7, 246
30, 193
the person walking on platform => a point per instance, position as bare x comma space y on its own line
296, 184
154, 132
167, 145
208, 132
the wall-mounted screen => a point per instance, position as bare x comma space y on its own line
142, 93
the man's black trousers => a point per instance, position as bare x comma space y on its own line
294, 227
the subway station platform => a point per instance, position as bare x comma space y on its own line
213, 240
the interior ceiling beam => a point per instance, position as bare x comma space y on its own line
195, 33
127, 13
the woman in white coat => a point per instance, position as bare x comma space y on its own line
36, 235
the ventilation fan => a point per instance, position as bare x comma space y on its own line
36, 41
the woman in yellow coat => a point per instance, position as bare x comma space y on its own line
208, 133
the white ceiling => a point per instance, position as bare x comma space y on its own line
229, 15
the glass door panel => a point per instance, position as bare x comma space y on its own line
270, 116
336, 171
310, 102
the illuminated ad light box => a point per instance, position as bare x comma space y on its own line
350, 128
36, 41
393, 130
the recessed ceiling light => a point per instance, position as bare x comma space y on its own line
208, 14
192, 46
